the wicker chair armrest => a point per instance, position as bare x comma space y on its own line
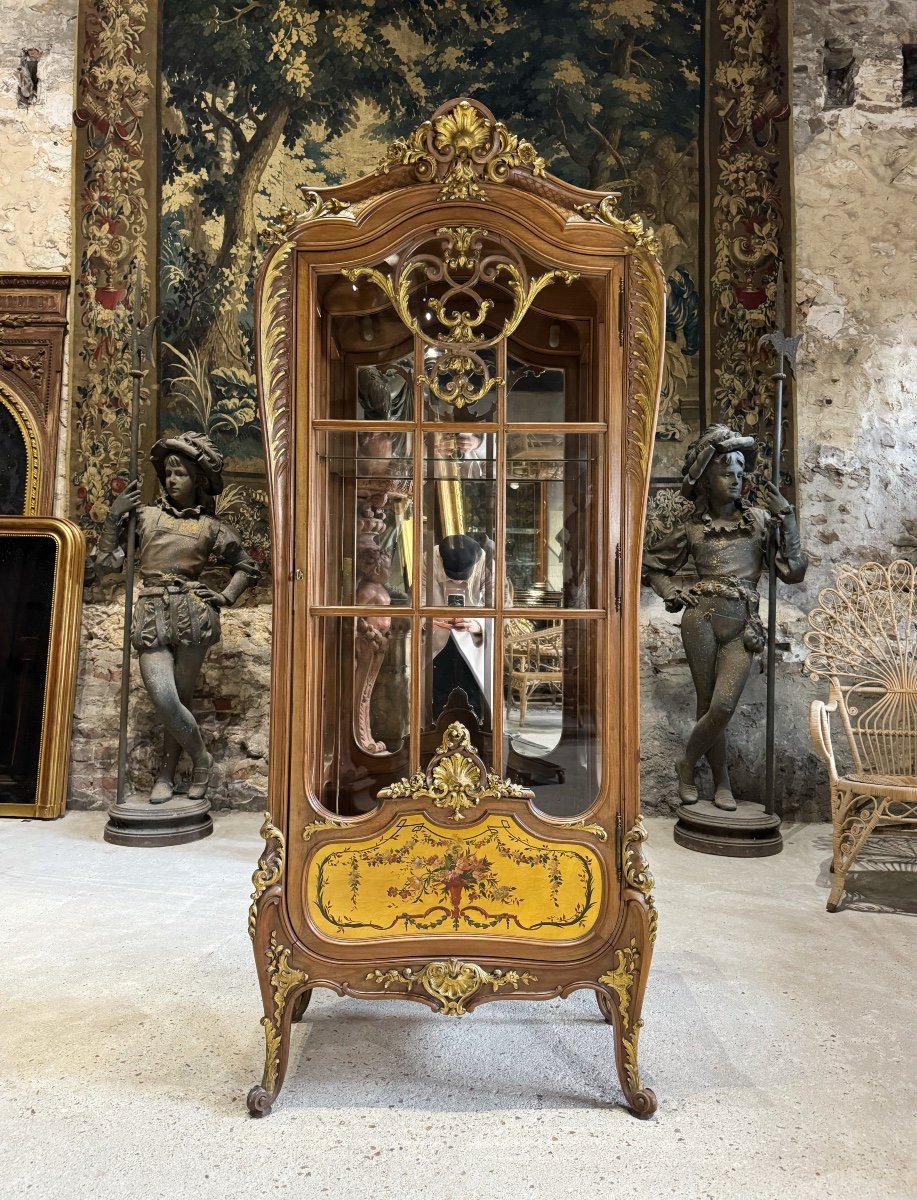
820, 733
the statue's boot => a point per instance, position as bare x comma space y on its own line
200, 779
723, 798
162, 791
687, 792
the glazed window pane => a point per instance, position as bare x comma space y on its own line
364, 699
366, 484
552, 528
552, 688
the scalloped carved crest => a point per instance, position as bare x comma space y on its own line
461, 148
456, 778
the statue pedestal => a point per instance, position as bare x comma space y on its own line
136, 822
748, 832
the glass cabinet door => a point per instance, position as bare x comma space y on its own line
459, 456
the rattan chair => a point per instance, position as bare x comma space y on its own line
534, 660
863, 640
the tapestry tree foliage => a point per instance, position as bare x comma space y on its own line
592, 83
247, 75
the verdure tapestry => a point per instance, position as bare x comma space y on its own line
186, 155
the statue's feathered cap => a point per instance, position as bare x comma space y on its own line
716, 439
199, 449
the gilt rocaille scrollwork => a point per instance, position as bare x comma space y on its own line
270, 867
279, 226
274, 354
607, 211
645, 323
283, 979
455, 778
315, 826
622, 981
636, 870
598, 831
459, 374
461, 149
451, 982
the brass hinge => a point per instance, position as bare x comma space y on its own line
621, 311
618, 577
618, 858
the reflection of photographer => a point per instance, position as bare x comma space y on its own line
462, 645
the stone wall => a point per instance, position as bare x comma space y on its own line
856, 215
36, 161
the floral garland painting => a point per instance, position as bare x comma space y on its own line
492, 880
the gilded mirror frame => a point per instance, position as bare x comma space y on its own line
63, 653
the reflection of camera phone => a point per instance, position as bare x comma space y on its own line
455, 601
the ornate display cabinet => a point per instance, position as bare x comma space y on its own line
459, 362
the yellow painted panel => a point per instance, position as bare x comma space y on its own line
492, 879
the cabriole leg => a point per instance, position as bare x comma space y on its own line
626, 982
287, 986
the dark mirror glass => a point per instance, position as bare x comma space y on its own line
13, 465
27, 566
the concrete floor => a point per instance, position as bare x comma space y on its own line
779, 1039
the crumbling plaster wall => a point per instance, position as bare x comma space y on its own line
856, 288
36, 150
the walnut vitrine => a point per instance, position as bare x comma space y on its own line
459, 361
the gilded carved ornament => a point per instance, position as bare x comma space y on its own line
283, 979
598, 831
270, 867
277, 228
636, 870
458, 374
315, 826
622, 981
607, 212
645, 320
451, 982
274, 352
462, 149
455, 779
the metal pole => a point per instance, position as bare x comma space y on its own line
769, 799
137, 348
785, 348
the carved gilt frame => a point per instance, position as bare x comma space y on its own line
63, 653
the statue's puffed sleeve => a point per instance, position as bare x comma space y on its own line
229, 550
792, 560
109, 556
665, 560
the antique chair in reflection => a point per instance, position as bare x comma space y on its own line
863, 640
534, 659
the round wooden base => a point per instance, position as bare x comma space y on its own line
748, 832
136, 822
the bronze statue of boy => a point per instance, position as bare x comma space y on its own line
721, 630
176, 617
